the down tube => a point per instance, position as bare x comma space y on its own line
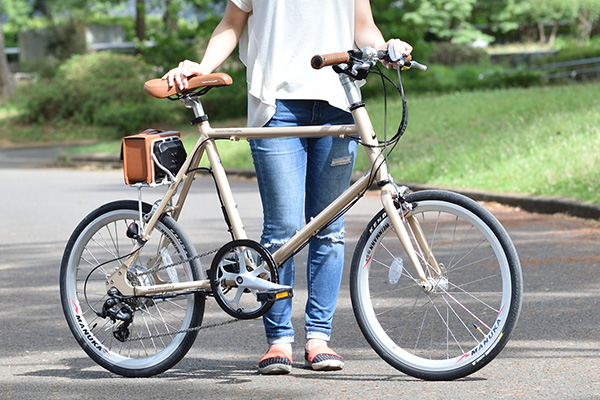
316, 223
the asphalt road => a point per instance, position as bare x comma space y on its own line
554, 352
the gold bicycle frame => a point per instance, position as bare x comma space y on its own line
206, 144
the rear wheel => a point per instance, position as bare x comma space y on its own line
468, 316
151, 334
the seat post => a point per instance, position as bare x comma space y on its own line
194, 103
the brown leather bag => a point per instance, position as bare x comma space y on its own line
137, 155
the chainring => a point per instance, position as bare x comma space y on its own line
231, 261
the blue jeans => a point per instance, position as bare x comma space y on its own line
296, 177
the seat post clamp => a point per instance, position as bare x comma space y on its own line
199, 119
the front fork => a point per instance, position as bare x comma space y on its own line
398, 211
392, 197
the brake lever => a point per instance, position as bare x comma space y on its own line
404, 61
393, 57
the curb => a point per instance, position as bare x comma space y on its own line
537, 204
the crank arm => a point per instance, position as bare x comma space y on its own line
265, 290
251, 282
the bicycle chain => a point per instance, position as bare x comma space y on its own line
197, 328
185, 260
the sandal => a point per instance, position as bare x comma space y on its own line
322, 358
275, 362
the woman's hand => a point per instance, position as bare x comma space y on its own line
180, 74
400, 47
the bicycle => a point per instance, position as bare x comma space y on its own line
133, 287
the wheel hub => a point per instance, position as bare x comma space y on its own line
138, 276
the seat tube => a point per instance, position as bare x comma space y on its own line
231, 208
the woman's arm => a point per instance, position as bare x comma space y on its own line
366, 33
223, 41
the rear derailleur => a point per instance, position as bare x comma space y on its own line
116, 310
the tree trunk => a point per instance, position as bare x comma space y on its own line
586, 26
553, 34
542, 32
6, 82
140, 20
170, 17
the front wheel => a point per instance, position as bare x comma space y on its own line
465, 318
146, 335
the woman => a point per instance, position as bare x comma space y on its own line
296, 176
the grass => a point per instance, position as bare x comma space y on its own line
539, 141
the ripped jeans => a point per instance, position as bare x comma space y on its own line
296, 177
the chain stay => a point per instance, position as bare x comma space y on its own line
197, 328
181, 262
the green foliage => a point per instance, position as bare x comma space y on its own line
572, 52
16, 10
388, 16
445, 19
588, 16
446, 53
67, 39
168, 50
171, 47
228, 102
523, 79
99, 88
452, 78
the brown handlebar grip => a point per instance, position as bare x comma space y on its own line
320, 61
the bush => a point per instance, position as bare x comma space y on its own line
168, 50
572, 52
228, 102
171, 47
518, 79
99, 88
452, 54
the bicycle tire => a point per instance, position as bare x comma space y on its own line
467, 319
98, 245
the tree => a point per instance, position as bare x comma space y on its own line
551, 12
588, 15
170, 16
140, 20
445, 19
6, 83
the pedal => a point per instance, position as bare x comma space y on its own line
274, 295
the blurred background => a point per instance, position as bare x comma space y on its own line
511, 87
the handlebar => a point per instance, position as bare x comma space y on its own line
325, 60
358, 63
366, 56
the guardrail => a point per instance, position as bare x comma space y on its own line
567, 69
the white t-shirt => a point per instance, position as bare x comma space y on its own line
280, 39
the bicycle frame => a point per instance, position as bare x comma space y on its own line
133, 287
362, 128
